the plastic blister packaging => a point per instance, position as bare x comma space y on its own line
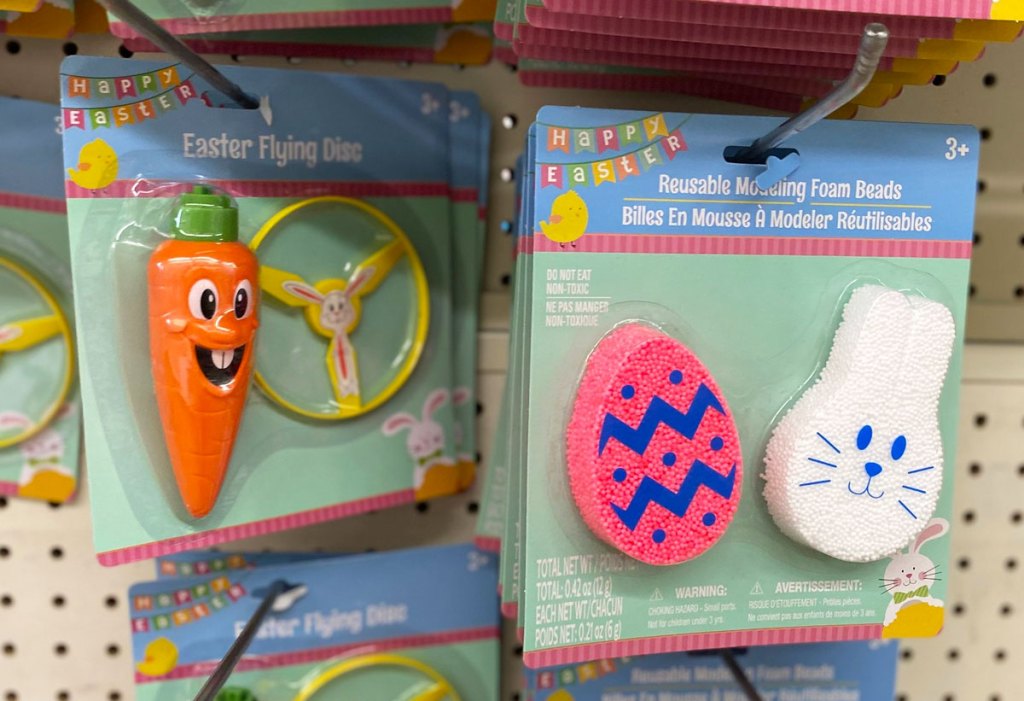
350, 626
680, 324
40, 407
352, 396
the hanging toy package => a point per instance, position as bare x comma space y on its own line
853, 671
739, 385
269, 329
357, 627
39, 404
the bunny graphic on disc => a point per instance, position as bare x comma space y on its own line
333, 310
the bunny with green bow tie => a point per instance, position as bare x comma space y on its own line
909, 575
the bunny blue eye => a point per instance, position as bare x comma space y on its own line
899, 447
864, 437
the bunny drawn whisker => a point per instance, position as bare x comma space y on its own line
829, 443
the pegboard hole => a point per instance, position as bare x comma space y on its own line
506, 227
114, 696
507, 175
949, 697
982, 186
113, 650
63, 696
57, 552
13, 47
70, 48
989, 80
1010, 564
60, 649
506, 279
11, 696
1006, 610
980, 420
110, 602
3, 502
479, 408
977, 238
8, 649
1018, 291
58, 601
968, 516
974, 469
6, 600
953, 654
1016, 517
986, 133
422, 507
972, 290
964, 563
509, 121
939, 80
1000, 655
472, 507
906, 654
125, 52
958, 609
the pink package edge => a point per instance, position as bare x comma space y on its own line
655, 9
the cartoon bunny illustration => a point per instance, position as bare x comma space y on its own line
338, 315
42, 473
909, 575
425, 444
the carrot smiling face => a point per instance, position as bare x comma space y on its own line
203, 297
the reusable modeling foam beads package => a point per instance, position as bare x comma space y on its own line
40, 425
202, 17
635, 19
955, 9
184, 216
854, 671
468, 44
741, 385
360, 627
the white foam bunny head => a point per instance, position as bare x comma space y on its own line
908, 572
855, 467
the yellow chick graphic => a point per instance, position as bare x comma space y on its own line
161, 658
568, 219
97, 166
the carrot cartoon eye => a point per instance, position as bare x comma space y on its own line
243, 296
202, 299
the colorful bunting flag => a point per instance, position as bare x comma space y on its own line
168, 88
617, 169
607, 138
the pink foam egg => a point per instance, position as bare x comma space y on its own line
652, 450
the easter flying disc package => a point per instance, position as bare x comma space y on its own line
40, 424
184, 214
348, 627
738, 386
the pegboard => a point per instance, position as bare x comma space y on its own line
63, 622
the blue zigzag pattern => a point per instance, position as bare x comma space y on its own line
659, 412
651, 491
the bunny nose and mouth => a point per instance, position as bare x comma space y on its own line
873, 469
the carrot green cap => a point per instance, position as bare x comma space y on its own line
204, 215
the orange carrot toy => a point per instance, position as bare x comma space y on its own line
202, 324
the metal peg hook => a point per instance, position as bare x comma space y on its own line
869, 54
169, 43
